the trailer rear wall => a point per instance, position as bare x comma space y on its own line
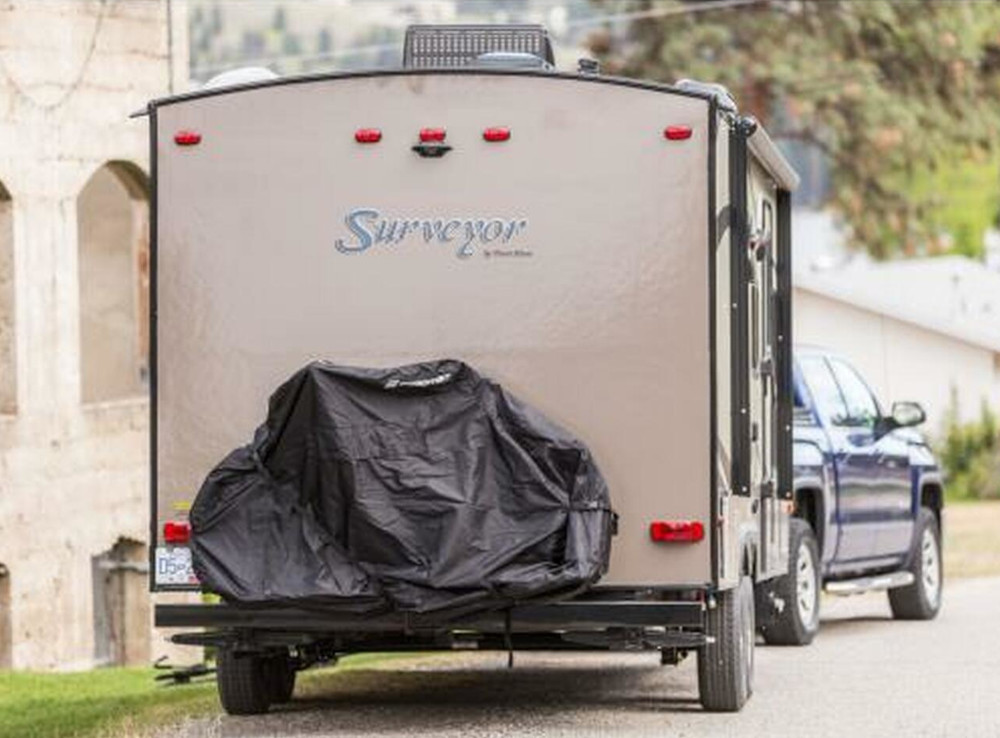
570, 263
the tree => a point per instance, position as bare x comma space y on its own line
970, 454
890, 92
324, 41
291, 44
279, 22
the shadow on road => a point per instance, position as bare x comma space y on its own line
384, 701
836, 625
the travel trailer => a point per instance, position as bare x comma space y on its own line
616, 252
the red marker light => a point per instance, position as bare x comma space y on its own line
187, 138
174, 532
432, 134
676, 531
496, 134
677, 133
368, 135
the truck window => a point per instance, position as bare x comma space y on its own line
827, 399
862, 409
801, 411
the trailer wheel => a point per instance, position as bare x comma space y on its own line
280, 678
792, 600
243, 681
922, 599
725, 666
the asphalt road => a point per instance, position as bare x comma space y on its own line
865, 675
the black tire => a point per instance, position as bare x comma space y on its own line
243, 681
791, 601
281, 678
725, 667
922, 599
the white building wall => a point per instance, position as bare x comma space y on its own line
73, 477
901, 361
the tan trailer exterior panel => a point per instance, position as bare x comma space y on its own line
585, 292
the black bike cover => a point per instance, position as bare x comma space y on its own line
417, 489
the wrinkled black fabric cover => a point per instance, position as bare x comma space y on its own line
417, 489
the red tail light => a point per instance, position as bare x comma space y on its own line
677, 133
175, 532
676, 531
496, 134
368, 135
432, 134
187, 138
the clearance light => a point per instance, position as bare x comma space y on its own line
432, 134
368, 135
187, 138
676, 531
496, 134
174, 532
677, 133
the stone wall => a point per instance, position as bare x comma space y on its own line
73, 460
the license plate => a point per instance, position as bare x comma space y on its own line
173, 566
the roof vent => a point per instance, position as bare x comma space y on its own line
510, 60
432, 46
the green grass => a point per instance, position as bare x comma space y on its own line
114, 702
93, 703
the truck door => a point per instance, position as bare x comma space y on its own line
888, 503
855, 455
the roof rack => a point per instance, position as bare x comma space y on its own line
462, 45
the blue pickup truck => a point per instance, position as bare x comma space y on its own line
868, 496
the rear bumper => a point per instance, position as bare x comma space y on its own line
569, 625
525, 619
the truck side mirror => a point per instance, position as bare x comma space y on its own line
907, 414
903, 415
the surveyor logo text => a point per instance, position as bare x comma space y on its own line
370, 228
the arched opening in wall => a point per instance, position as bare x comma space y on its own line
113, 233
6, 621
8, 352
121, 605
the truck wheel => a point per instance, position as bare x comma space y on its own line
244, 686
792, 600
922, 599
280, 678
725, 667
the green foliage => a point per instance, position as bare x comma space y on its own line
963, 199
970, 455
891, 92
291, 44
